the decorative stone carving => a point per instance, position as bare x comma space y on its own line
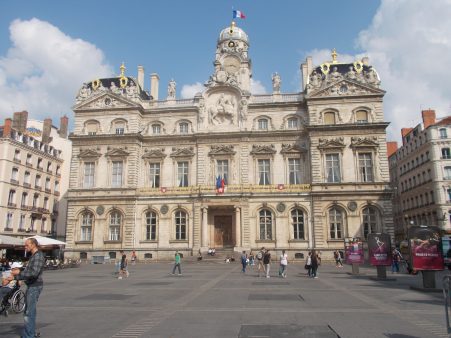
172, 89
115, 89
182, 152
243, 111
83, 93
132, 91
164, 209
331, 143
223, 111
292, 149
364, 142
265, 149
117, 152
202, 110
150, 154
89, 153
100, 210
281, 207
218, 150
276, 82
352, 206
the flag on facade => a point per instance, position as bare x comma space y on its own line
238, 14
219, 185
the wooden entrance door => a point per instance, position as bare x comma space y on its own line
223, 231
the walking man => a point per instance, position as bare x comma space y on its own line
267, 262
260, 265
32, 276
283, 264
243, 261
177, 264
123, 270
315, 263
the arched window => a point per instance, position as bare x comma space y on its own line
86, 226
115, 226
180, 225
183, 127
361, 116
151, 226
156, 129
119, 127
335, 223
297, 222
92, 127
329, 118
265, 223
292, 123
370, 221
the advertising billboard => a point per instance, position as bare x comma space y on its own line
354, 251
425, 248
446, 249
379, 249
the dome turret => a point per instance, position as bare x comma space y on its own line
233, 33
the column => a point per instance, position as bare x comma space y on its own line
204, 227
238, 226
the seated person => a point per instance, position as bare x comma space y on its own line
8, 281
209, 251
227, 259
213, 251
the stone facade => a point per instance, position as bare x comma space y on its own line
420, 171
228, 169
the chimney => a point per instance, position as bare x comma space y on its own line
20, 121
428, 117
404, 132
46, 129
63, 126
154, 79
141, 77
7, 127
306, 69
392, 147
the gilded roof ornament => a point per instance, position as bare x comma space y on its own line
232, 26
123, 80
334, 56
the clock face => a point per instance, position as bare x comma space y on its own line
231, 65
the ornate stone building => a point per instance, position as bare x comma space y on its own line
299, 170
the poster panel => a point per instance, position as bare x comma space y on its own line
446, 249
379, 248
354, 251
425, 248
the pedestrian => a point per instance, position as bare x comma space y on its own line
308, 264
267, 262
244, 261
396, 258
315, 263
123, 272
260, 265
337, 256
177, 262
134, 258
283, 264
251, 258
32, 276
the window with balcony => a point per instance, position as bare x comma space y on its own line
46, 203
24, 200
35, 201
222, 170
12, 198
9, 221
366, 167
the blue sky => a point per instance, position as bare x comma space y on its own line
177, 39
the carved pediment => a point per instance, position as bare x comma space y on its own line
346, 88
265, 149
293, 149
364, 142
117, 152
331, 143
182, 152
151, 154
89, 153
105, 100
218, 150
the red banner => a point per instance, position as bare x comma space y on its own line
354, 251
425, 248
379, 248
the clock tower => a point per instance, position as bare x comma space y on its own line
232, 64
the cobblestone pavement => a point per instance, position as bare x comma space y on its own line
217, 300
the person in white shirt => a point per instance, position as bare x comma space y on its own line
7, 284
283, 264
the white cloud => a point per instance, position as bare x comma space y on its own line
257, 87
408, 43
188, 91
44, 68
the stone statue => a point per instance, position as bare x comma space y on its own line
315, 80
351, 73
132, 91
223, 110
201, 115
171, 89
276, 82
243, 110
101, 88
335, 75
115, 89
83, 93
371, 77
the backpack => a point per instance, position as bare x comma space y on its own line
259, 255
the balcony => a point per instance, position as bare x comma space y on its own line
17, 160
13, 181
11, 205
26, 185
38, 187
8, 229
50, 171
56, 193
48, 190
29, 164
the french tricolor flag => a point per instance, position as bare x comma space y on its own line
238, 14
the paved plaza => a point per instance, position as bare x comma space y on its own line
217, 300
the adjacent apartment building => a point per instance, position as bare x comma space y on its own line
420, 173
226, 168
34, 158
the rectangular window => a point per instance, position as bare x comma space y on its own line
222, 170
116, 180
156, 129
23, 201
154, 175
294, 170
264, 172
22, 222
9, 220
183, 128
26, 178
17, 155
366, 167
446, 154
47, 184
37, 181
88, 175
14, 174
40, 163
182, 174
292, 123
29, 159
443, 133
11, 197
333, 168
32, 224
43, 224
263, 124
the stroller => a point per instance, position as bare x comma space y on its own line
14, 300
